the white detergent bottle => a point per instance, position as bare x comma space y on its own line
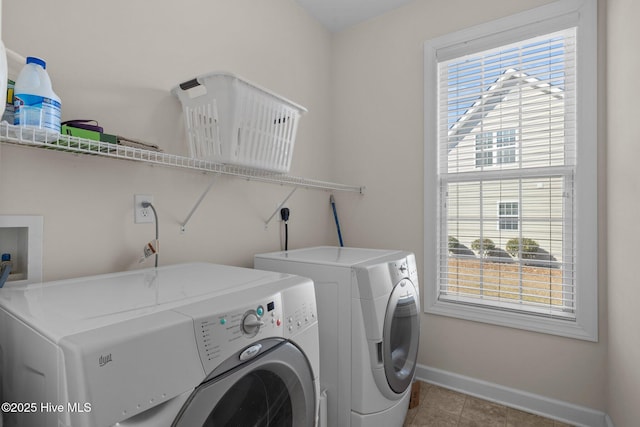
36, 105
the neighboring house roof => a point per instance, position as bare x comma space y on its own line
492, 97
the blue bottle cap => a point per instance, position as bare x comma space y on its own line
38, 61
6, 257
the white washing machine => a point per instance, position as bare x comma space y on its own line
368, 312
185, 346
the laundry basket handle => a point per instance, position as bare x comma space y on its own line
190, 84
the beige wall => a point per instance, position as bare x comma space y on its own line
378, 137
623, 197
115, 61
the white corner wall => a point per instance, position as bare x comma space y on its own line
115, 61
623, 205
378, 136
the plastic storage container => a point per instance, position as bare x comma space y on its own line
5, 268
36, 104
15, 63
3, 77
229, 120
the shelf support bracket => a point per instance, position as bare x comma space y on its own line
266, 223
195, 207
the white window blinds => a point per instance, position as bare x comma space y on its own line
506, 168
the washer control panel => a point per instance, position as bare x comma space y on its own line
404, 268
221, 335
234, 323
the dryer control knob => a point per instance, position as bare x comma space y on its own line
251, 323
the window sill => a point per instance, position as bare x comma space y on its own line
570, 328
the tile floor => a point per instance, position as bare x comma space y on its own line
440, 407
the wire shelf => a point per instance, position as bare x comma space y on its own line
39, 138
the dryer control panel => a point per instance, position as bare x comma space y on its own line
221, 335
299, 309
229, 324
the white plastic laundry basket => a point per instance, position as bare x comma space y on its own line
229, 120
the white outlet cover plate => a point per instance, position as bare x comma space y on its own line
142, 215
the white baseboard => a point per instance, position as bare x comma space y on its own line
525, 401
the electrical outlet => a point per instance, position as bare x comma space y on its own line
142, 215
279, 215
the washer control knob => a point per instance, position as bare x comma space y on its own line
251, 323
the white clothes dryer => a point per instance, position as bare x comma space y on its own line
183, 346
368, 313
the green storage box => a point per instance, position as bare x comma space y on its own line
88, 134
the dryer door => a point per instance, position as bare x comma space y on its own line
273, 389
401, 334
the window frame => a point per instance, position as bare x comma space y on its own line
508, 217
485, 156
513, 145
491, 152
556, 16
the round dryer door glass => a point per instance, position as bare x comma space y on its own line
259, 399
274, 389
401, 336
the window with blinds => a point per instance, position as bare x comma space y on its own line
508, 133
511, 171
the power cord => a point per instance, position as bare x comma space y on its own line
155, 217
284, 214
